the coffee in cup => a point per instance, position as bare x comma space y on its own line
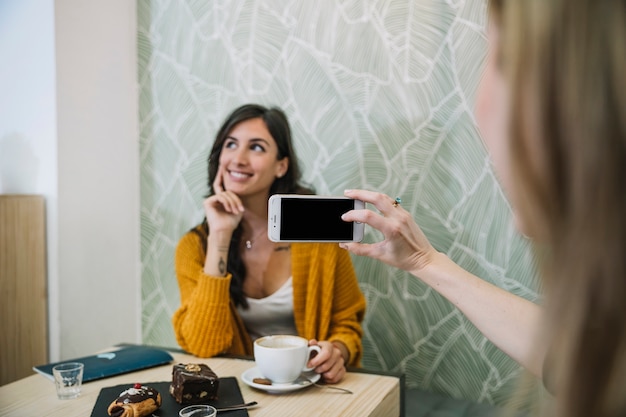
282, 358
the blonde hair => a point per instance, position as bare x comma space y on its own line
565, 61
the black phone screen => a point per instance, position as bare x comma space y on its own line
315, 219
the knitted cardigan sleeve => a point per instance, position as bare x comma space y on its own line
206, 322
328, 303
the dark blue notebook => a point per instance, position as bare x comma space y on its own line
123, 360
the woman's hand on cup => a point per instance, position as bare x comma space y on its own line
329, 362
404, 245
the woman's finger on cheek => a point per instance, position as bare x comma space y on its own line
217, 185
218, 182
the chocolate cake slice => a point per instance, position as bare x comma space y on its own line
193, 383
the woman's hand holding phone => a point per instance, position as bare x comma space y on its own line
312, 218
404, 246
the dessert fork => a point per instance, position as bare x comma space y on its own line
238, 406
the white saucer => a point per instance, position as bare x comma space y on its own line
302, 382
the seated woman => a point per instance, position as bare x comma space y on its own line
235, 284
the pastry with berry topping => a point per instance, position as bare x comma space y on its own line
193, 383
137, 401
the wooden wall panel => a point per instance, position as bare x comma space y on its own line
23, 302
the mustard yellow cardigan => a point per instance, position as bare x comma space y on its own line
327, 301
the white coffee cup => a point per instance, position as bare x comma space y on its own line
282, 358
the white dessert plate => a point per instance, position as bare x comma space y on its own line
303, 381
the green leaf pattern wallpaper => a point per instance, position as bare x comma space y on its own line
380, 96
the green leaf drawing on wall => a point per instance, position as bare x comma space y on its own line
380, 96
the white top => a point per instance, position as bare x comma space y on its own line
270, 315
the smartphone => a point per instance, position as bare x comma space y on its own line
312, 218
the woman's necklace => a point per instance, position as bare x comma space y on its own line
249, 242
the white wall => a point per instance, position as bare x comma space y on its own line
68, 130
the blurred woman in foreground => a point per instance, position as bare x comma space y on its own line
552, 111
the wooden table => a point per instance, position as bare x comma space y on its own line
374, 394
